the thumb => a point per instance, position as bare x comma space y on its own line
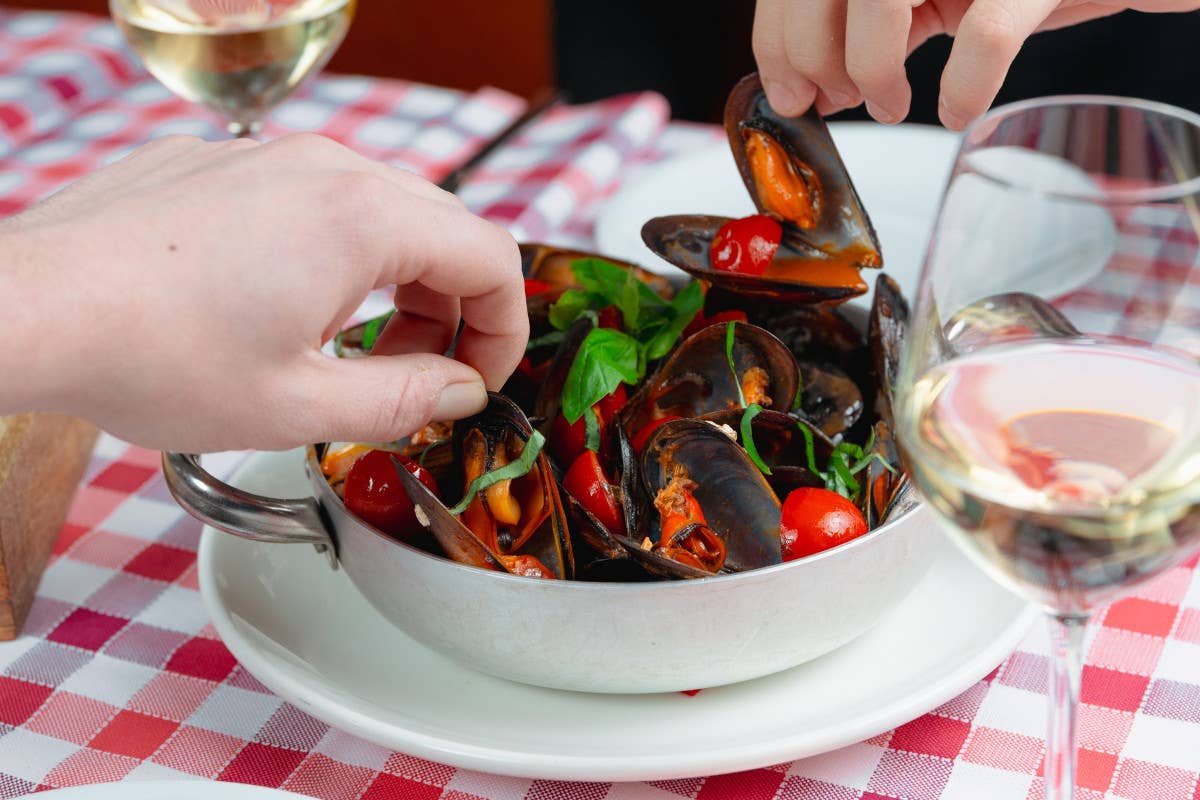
384, 398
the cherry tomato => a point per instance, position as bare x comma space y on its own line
815, 520
700, 321
588, 484
375, 494
643, 436
535, 287
746, 245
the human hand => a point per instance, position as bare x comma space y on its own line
839, 53
180, 297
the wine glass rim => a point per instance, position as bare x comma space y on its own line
1112, 196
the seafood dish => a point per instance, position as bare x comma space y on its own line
660, 429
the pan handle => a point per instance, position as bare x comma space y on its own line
251, 516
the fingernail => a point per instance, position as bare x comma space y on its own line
459, 400
951, 120
882, 114
781, 98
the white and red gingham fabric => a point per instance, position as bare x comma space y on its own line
118, 674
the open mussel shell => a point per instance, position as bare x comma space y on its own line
780, 445
812, 276
497, 428
841, 227
738, 503
886, 327
552, 265
886, 493
829, 399
696, 378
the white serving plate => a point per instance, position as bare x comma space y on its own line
305, 632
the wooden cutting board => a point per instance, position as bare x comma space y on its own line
42, 459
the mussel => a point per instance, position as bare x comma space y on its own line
716, 511
518, 524
793, 173
697, 377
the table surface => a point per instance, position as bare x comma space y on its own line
119, 675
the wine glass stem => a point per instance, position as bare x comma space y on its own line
1066, 668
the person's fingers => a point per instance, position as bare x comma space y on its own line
815, 46
788, 92
380, 398
985, 44
424, 322
876, 46
450, 252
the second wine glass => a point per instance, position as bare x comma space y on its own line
240, 58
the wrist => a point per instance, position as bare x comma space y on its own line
40, 327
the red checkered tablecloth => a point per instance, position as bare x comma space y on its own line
120, 676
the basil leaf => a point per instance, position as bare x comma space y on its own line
685, 306
513, 469
748, 416
809, 450
591, 425
606, 358
737, 381
845, 478
612, 284
799, 392
568, 308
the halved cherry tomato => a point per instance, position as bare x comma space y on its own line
643, 436
700, 321
375, 494
533, 287
746, 245
587, 483
815, 520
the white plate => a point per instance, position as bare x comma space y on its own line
306, 632
900, 173
169, 790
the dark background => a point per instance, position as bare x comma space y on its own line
693, 52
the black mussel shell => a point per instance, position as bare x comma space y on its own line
887, 324
738, 503
552, 265
843, 229
685, 240
695, 378
499, 422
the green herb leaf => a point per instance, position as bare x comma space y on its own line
591, 426
606, 358
737, 381
684, 306
799, 392
568, 308
748, 416
370, 333
514, 469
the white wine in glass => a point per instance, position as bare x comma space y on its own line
239, 57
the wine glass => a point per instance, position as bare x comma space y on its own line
1049, 392
240, 58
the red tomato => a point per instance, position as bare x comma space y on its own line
746, 245
375, 494
587, 483
534, 286
700, 321
816, 520
643, 436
